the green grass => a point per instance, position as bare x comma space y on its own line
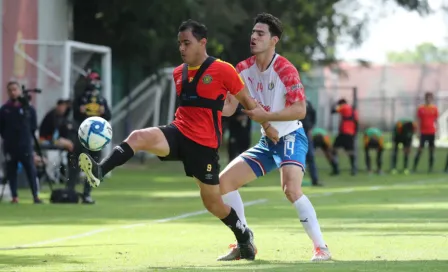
386, 223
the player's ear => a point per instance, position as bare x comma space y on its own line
274, 40
203, 41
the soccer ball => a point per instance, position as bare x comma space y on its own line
95, 133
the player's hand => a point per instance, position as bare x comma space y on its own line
258, 114
102, 109
272, 134
82, 109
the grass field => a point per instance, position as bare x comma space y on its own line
150, 218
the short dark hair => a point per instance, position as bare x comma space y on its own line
342, 101
274, 23
198, 30
12, 82
429, 94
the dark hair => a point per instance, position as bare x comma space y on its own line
12, 82
198, 30
428, 95
342, 101
274, 23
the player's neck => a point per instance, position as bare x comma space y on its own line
199, 61
264, 59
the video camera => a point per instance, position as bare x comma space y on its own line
25, 98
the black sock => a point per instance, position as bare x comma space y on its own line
446, 163
352, 161
416, 159
431, 159
394, 157
406, 160
119, 156
368, 163
379, 161
234, 223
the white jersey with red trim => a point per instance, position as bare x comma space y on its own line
275, 89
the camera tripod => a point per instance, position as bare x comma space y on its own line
38, 149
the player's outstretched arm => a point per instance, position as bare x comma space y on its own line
296, 111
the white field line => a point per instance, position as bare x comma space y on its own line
192, 214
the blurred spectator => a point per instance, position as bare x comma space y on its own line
18, 123
308, 123
373, 139
89, 103
347, 132
239, 125
55, 128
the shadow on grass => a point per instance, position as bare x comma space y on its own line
61, 246
13, 262
333, 266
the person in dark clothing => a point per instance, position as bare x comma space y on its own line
308, 123
55, 128
89, 103
17, 126
348, 128
239, 125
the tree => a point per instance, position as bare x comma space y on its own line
424, 53
143, 33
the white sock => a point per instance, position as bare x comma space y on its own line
308, 218
234, 200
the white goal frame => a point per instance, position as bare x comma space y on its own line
68, 48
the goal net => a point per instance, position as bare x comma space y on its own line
61, 67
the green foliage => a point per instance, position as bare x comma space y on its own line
423, 53
145, 31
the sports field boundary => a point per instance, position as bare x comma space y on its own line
201, 212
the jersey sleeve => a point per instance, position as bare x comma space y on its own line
294, 88
231, 79
177, 77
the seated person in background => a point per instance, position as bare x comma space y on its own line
403, 132
374, 139
321, 139
54, 129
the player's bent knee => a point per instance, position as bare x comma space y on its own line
212, 200
236, 174
148, 139
292, 182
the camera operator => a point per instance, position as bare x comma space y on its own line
89, 103
18, 122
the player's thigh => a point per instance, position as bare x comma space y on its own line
291, 177
236, 174
423, 140
259, 158
431, 141
292, 149
348, 142
200, 162
156, 140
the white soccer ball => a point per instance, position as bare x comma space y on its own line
95, 133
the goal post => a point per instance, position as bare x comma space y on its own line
57, 64
60, 67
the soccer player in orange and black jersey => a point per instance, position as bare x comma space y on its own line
202, 85
347, 132
427, 115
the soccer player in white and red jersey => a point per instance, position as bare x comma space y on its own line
275, 83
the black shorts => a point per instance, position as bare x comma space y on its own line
199, 161
321, 141
345, 141
405, 140
430, 138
